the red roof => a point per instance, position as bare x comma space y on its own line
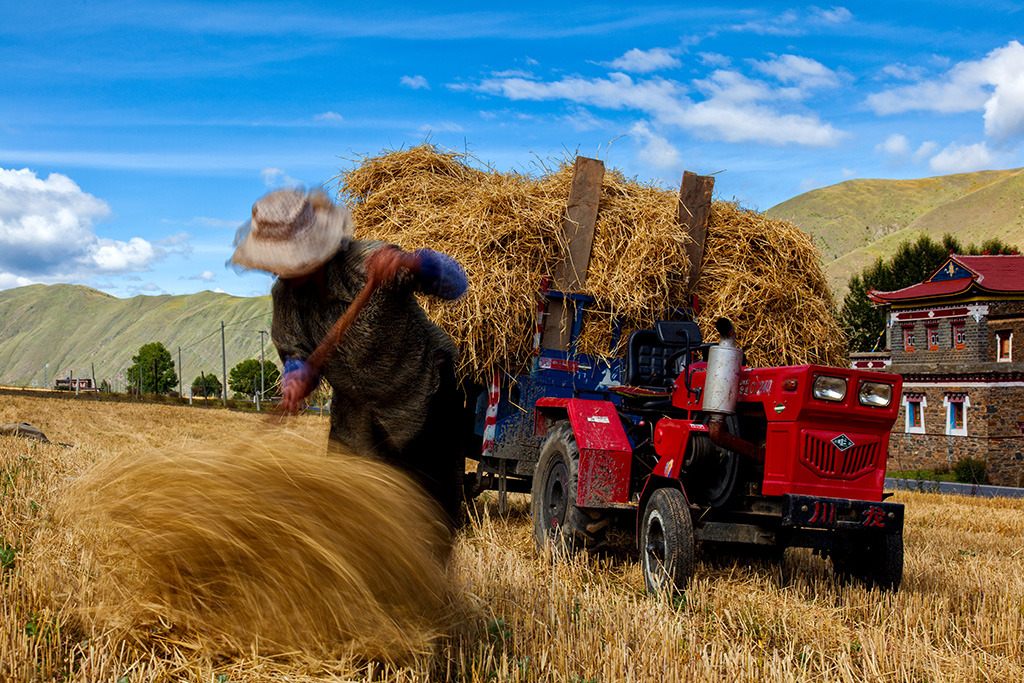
1002, 274
996, 273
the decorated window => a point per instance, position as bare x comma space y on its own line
959, 335
1004, 346
956, 414
933, 337
915, 405
908, 339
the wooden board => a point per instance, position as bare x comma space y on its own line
694, 208
578, 230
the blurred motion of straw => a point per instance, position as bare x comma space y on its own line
506, 230
262, 545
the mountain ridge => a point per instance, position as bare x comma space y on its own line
47, 331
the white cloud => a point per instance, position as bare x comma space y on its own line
736, 108
9, 280
801, 71
836, 15
115, 256
47, 234
174, 240
205, 276
926, 149
797, 23
645, 61
714, 59
655, 149
329, 117
994, 84
415, 82
275, 177
895, 145
511, 73
962, 159
442, 127
903, 72
214, 222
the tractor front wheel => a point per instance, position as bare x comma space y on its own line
667, 542
556, 518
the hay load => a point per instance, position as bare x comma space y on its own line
263, 545
506, 229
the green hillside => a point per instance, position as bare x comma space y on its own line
855, 222
73, 328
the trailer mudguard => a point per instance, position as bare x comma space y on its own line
605, 453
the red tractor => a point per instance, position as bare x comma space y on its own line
694, 448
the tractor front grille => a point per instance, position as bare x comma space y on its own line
825, 459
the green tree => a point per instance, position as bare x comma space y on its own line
911, 263
153, 362
211, 388
244, 378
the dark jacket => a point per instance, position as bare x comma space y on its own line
389, 362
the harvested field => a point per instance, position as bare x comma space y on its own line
959, 617
506, 229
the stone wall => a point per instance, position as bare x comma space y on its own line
994, 421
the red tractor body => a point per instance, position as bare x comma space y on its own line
725, 455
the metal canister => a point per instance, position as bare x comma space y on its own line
722, 382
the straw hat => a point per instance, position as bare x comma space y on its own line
292, 233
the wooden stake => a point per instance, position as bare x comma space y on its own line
694, 208
578, 228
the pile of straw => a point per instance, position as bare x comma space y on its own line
261, 546
506, 229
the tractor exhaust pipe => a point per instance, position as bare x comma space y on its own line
722, 389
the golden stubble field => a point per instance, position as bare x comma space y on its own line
523, 617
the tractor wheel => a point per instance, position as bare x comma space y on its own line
879, 564
667, 544
556, 518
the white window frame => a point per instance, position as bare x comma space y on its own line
922, 404
950, 431
1009, 342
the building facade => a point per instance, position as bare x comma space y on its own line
952, 339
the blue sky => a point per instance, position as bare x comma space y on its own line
135, 136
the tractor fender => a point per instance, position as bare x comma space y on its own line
671, 438
605, 453
653, 483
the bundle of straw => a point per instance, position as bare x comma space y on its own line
264, 545
506, 229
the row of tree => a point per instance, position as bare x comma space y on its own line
152, 370
913, 262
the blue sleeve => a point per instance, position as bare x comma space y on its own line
291, 364
441, 275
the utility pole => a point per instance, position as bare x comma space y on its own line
179, 372
224, 363
263, 387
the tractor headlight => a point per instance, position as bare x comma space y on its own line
829, 388
875, 394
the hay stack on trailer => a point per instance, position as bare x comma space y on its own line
506, 229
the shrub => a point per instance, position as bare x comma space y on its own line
970, 471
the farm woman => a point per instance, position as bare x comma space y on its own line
393, 372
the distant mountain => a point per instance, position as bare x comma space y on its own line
75, 328
855, 222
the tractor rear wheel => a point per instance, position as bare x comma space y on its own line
667, 542
879, 564
557, 521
